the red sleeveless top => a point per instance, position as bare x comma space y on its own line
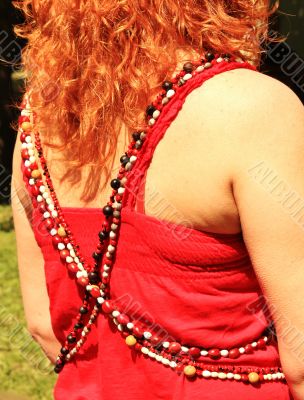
199, 287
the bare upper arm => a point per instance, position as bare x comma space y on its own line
264, 123
30, 258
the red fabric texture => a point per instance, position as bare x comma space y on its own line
197, 286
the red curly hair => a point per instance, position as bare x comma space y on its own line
93, 65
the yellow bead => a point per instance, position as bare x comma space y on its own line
61, 231
253, 377
189, 370
131, 340
36, 174
26, 126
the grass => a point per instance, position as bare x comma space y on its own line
25, 373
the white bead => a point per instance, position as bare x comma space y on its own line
32, 181
30, 145
230, 375
224, 353
31, 152
68, 356
112, 235
45, 195
27, 163
170, 93
79, 265
121, 190
237, 377
106, 267
48, 200
53, 232
204, 353
143, 135
28, 139
265, 339
72, 253
115, 313
130, 325
152, 121
42, 188
69, 259
114, 227
158, 358
165, 100
105, 274
274, 376
24, 146
108, 255
165, 361
173, 364
186, 77
120, 327
147, 335
100, 300
156, 114
151, 354
25, 113
222, 375
82, 334
115, 322
220, 59
69, 246
51, 207
32, 159
133, 159
46, 214
254, 344
39, 198
166, 345
185, 349
54, 214
214, 374
89, 287
111, 248
200, 68
144, 350
79, 274
241, 350
206, 374
128, 166
117, 206
269, 376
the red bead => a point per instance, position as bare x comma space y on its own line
138, 331
194, 352
24, 154
261, 344
23, 118
72, 267
95, 291
34, 165
27, 172
35, 190
244, 377
214, 353
155, 340
107, 307
123, 319
234, 353
64, 254
49, 223
174, 348
83, 281
248, 349
56, 240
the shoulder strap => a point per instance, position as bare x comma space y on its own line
135, 185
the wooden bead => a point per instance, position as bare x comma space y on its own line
253, 377
131, 341
26, 126
189, 370
61, 231
36, 174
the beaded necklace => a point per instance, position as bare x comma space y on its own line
95, 278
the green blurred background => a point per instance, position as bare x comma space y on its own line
24, 372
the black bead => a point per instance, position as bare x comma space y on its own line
58, 366
64, 350
83, 310
150, 110
96, 256
227, 56
115, 183
167, 85
209, 57
107, 210
93, 277
102, 235
188, 67
124, 159
71, 338
78, 325
136, 136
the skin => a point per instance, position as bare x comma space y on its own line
228, 126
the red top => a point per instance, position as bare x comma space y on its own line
199, 287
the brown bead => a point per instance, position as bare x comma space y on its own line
189, 370
61, 231
253, 377
36, 174
131, 340
26, 126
